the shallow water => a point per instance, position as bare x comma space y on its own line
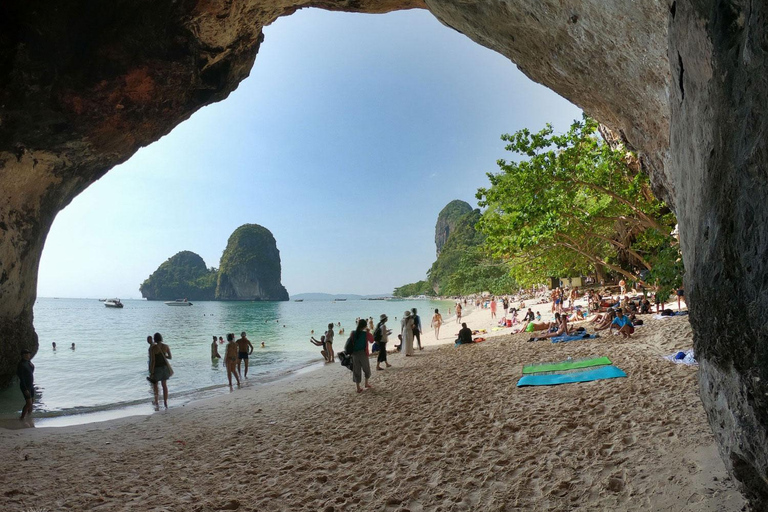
108, 368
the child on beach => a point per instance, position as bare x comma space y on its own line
230, 359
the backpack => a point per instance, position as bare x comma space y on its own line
349, 346
377, 334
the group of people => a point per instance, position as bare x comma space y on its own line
236, 354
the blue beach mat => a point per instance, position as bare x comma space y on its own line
573, 337
552, 379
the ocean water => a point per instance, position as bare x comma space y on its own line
108, 368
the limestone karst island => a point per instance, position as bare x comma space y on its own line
250, 270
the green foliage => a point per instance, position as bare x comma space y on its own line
414, 289
463, 238
251, 245
184, 275
476, 274
251, 257
667, 272
569, 204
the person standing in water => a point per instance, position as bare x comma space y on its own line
25, 371
214, 350
230, 357
381, 337
437, 321
159, 368
244, 349
329, 343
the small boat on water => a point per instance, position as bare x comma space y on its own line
339, 300
299, 300
113, 303
178, 302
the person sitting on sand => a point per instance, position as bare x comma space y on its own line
214, 350
606, 320
563, 329
530, 316
159, 368
244, 349
320, 343
465, 335
623, 324
230, 359
645, 306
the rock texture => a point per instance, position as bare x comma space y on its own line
183, 275
250, 266
84, 84
447, 220
719, 57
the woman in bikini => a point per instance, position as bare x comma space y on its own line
437, 321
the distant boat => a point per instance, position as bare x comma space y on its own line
113, 303
299, 300
339, 300
178, 302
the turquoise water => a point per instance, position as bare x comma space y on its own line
108, 367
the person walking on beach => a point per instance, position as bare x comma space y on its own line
329, 342
230, 359
214, 350
244, 349
458, 313
406, 329
381, 337
25, 371
493, 308
159, 368
359, 355
437, 321
416, 327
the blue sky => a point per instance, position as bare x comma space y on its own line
350, 135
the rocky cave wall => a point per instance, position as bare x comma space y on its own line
84, 84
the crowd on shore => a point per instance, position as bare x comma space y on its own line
607, 313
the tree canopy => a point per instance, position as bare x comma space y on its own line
568, 204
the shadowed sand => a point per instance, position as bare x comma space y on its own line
444, 430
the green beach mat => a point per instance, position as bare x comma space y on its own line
565, 365
553, 379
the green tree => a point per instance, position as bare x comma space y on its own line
570, 203
414, 289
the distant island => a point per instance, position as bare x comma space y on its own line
330, 296
250, 270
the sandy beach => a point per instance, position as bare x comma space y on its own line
444, 430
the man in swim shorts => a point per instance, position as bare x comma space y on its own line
244, 349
